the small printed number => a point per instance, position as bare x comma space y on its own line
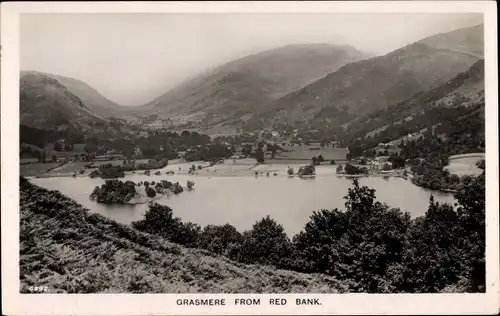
38, 289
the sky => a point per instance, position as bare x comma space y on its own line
133, 58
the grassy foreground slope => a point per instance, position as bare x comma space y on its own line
70, 250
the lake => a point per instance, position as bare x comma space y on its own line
242, 200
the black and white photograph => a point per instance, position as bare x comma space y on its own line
251, 153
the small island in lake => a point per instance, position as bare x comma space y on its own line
128, 192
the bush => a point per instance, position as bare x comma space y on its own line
481, 164
150, 192
159, 220
223, 240
307, 170
177, 188
339, 169
351, 169
265, 243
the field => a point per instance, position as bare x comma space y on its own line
69, 168
69, 250
306, 152
37, 169
116, 162
464, 166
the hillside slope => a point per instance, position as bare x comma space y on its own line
47, 104
369, 85
460, 101
70, 250
238, 87
94, 100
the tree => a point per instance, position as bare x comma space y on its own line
57, 146
386, 167
223, 240
471, 231
397, 161
259, 153
273, 151
362, 244
159, 220
481, 164
150, 192
265, 243
350, 169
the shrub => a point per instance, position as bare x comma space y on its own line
351, 169
223, 240
150, 192
177, 188
265, 243
159, 220
481, 164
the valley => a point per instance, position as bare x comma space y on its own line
307, 167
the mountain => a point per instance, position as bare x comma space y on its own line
454, 108
238, 87
95, 101
376, 83
47, 104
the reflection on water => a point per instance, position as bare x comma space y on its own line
240, 201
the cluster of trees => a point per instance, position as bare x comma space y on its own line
308, 170
448, 131
40, 137
370, 246
317, 160
114, 192
259, 153
161, 187
110, 171
481, 164
428, 158
213, 152
119, 192
352, 169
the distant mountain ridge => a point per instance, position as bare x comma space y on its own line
316, 83
460, 100
47, 104
236, 88
93, 99
368, 85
